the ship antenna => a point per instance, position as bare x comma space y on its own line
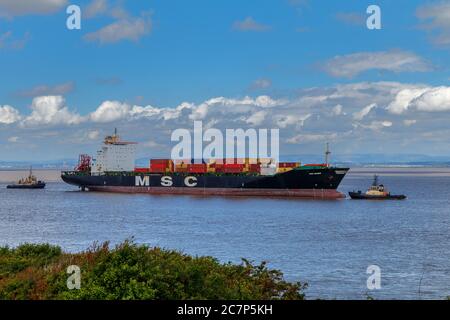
327, 155
375, 180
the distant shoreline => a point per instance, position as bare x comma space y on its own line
54, 175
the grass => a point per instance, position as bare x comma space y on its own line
131, 271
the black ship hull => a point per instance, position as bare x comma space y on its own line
26, 186
300, 183
363, 196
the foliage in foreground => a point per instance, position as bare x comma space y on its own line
131, 271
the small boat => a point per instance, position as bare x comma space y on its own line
30, 182
375, 192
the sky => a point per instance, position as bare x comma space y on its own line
311, 68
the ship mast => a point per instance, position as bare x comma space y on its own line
327, 155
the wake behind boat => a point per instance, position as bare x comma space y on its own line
30, 182
375, 192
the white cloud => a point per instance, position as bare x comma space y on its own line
93, 135
289, 120
11, 8
434, 99
409, 122
436, 16
378, 125
337, 110
131, 29
395, 60
13, 139
257, 118
315, 114
51, 110
427, 99
303, 138
110, 111
8, 114
249, 24
404, 98
364, 112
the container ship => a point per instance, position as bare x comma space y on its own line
113, 170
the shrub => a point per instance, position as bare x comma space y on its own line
131, 271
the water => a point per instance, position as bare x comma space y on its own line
328, 244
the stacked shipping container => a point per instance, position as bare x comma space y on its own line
214, 166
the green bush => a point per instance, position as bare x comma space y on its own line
131, 271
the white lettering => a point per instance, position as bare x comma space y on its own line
142, 181
374, 20
74, 280
190, 181
73, 22
166, 181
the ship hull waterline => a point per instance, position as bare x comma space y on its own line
304, 184
227, 192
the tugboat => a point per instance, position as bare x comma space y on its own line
29, 182
375, 192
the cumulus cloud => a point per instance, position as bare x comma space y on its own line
11, 8
249, 24
8, 115
436, 18
51, 110
110, 111
130, 28
427, 99
434, 99
44, 90
352, 65
313, 115
364, 112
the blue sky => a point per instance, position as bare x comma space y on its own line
165, 53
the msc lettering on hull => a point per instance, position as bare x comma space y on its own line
166, 181
142, 181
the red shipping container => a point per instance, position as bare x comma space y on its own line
287, 164
315, 165
159, 161
143, 170
254, 168
236, 166
197, 168
158, 168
